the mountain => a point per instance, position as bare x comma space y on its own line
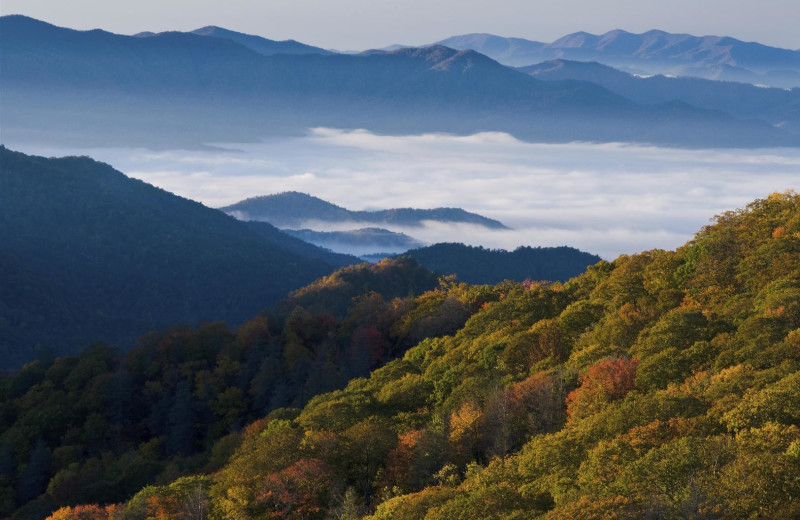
780, 107
364, 241
89, 254
477, 265
660, 385
292, 209
259, 44
94, 88
652, 52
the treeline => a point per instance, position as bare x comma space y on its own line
99, 426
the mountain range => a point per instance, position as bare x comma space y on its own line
778, 106
652, 52
186, 90
292, 209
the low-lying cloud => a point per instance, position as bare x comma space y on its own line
603, 198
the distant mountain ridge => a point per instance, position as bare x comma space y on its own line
255, 43
182, 90
778, 106
259, 44
293, 209
652, 52
364, 241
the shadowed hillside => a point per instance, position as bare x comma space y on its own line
89, 254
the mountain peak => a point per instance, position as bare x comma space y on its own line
259, 44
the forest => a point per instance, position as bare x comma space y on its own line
659, 385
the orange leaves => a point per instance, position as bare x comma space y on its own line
779, 232
84, 512
401, 461
605, 381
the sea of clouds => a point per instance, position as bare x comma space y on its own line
608, 199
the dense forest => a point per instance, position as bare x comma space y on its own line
660, 385
478, 265
99, 426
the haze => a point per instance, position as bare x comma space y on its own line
362, 24
606, 199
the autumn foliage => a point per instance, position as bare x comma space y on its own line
605, 381
659, 385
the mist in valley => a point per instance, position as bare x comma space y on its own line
608, 199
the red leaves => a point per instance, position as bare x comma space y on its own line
605, 381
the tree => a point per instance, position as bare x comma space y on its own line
605, 381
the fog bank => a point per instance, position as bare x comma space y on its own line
607, 199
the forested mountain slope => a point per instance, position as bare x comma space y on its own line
88, 254
98, 426
659, 385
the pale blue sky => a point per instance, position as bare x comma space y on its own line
361, 24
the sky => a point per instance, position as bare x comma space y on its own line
608, 199
363, 24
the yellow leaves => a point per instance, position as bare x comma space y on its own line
466, 422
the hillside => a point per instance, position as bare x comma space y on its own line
292, 210
183, 90
662, 384
173, 403
652, 52
89, 254
476, 265
775, 105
